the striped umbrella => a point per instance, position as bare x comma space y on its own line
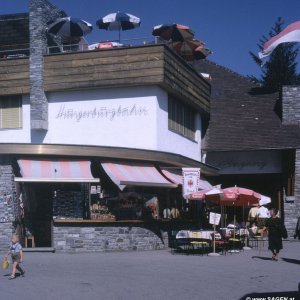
118, 21
69, 27
173, 32
201, 52
186, 48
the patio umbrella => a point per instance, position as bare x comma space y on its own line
186, 48
237, 196
264, 200
69, 27
118, 21
173, 32
201, 52
213, 194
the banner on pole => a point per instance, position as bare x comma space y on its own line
191, 180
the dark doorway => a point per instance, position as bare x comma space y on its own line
38, 213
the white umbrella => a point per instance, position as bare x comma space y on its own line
264, 200
119, 21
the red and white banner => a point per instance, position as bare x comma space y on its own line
191, 180
289, 35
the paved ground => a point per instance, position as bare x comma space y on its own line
155, 275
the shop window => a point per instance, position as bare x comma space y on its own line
130, 205
181, 118
10, 112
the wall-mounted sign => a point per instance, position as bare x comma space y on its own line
93, 189
250, 162
98, 189
66, 112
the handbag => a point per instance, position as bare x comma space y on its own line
283, 231
5, 264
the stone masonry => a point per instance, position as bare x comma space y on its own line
107, 238
292, 208
7, 202
40, 12
291, 116
291, 105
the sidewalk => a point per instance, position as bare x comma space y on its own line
153, 275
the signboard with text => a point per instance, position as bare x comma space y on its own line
214, 218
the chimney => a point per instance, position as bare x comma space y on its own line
40, 12
291, 105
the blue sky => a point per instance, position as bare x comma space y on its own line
229, 28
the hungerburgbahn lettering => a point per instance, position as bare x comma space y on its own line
78, 115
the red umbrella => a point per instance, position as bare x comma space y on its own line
214, 194
187, 47
237, 196
191, 49
173, 32
233, 196
201, 52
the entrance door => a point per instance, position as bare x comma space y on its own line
38, 213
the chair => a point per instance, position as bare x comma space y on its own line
258, 240
31, 239
221, 244
202, 245
235, 245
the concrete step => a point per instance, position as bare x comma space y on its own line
39, 249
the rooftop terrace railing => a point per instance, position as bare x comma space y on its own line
14, 53
107, 44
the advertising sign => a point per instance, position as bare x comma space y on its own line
214, 218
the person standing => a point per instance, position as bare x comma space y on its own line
262, 216
16, 255
276, 231
175, 214
252, 215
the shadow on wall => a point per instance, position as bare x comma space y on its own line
38, 136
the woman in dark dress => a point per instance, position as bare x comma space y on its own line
274, 226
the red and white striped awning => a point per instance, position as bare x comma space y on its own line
175, 175
135, 174
55, 171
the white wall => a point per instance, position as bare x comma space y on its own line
135, 117
107, 117
20, 135
170, 141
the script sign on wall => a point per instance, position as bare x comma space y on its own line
246, 162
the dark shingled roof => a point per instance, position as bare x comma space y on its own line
240, 120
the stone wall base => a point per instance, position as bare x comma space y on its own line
291, 214
100, 239
6, 230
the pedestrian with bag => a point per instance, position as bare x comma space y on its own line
16, 252
276, 232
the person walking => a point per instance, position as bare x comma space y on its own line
16, 255
276, 231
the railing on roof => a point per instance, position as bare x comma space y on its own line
108, 44
14, 53
82, 46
